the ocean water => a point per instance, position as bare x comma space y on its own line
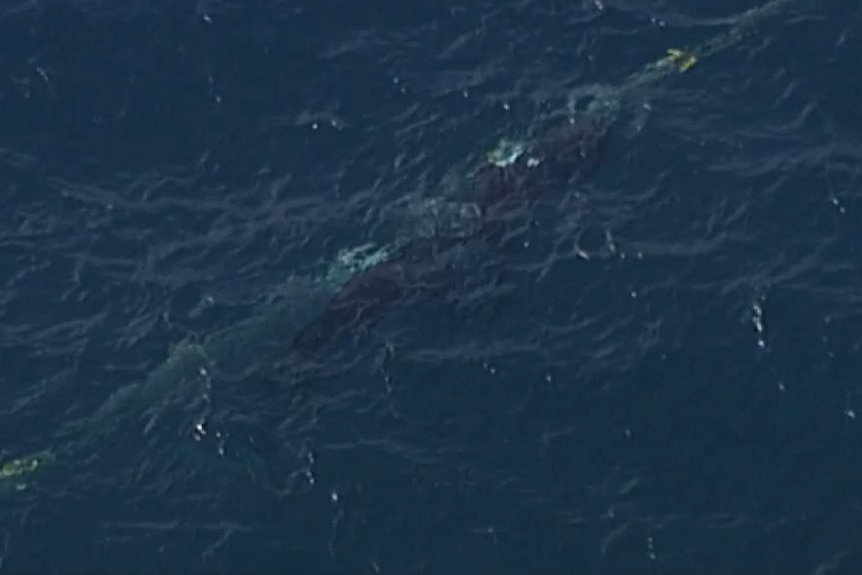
657, 372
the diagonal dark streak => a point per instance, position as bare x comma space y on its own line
473, 203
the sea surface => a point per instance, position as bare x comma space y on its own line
659, 372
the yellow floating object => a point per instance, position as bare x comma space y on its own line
682, 59
14, 472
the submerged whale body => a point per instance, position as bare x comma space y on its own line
422, 234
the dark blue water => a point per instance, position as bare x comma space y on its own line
657, 374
